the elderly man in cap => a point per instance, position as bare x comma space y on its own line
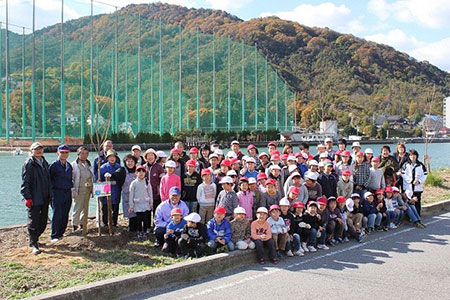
136, 152
236, 149
101, 158
36, 192
61, 179
163, 213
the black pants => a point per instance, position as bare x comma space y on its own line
37, 222
194, 249
260, 248
335, 228
132, 224
61, 205
170, 245
143, 220
418, 203
115, 214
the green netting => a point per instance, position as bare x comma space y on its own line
180, 79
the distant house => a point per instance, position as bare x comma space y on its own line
431, 124
395, 122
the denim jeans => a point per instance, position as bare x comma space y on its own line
412, 213
214, 245
192, 205
294, 245
392, 216
323, 237
374, 219
312, 237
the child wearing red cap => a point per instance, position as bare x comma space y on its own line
279, 230
173, 231
206, 196
321, 207
219, 231
262, 236
189, 185
246, 197
271, 196
376, 177
298, 228
392, 209
345, 185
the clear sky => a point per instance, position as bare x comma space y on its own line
420, 28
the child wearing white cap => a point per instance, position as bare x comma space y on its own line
262, 236
193, 238
240, 228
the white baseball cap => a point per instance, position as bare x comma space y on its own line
226, 179
369, 150
231, 154
136, 147
262, 210
231, 173
275, 167
251, 160
356, 144
213, 155
311, 175
161, 154
235, 142
296, 174
193, 217
291, 157
239, 210
218, 152
321, 146
251, 180
323, 155
328, 140
170, 164
292, 168
285, 201
349, 203
367, 194
313, 162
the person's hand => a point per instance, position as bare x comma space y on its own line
166, 236
320, 228
28, 203
107, 175
384, 215
170, 231
184, 236
404, 207
263, 236
291, 238
397, 211
130, 210
222, 241
416, 182
340, 220
399, 173
319, 217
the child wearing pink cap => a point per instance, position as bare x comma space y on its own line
245, 197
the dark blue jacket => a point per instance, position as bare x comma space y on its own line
36, 183
369, 208
60, 175
103, 160
115, 188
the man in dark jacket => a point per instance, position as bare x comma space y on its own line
61, 179
36, 191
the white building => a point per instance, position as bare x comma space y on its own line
446, 113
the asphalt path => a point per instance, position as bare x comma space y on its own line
404, 263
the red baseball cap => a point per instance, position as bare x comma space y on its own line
379, 191
340, 199
234, 160
271, 144
298, 204
274, 206
245, 179
294, 190
226, 162
375, 158
275, 152
191, 163
284, 156
322, 200
251, 146
346, 153
206, 172
175, 151
193, 150
141, 168
176, 211
271, 181
360, 153
346, 172
275, 157
261, 176
388, 189
220, 210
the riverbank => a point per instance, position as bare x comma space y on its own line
78, 259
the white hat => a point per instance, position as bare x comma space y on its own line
213, 155
292, 168
251, 160
291, 157
245, 157
285, 201
356, 144
170, 164
193, 217
395, 189
136, 147
349, 203
231, 173
323, 155
262, 209
321, 146
239, 210
231, 154
218, 152
161, 154
262, 154
367, 194
36, 145
369, 150
235, 142
313, 162
355, 195
296, 174
226, 179
150, 150
275, 167
321, 164
304, 155
328, 139
251, 180
311, 175
409, 194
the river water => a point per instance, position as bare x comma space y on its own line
13, 211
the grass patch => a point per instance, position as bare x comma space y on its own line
434, 179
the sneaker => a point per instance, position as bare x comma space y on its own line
333, 242
385, 228
304, 247
262, 262
419, 225
278, 254
339, 240
289, 253
299, 253
423, 225
392, 226
360, 239
275, 261
54, 240
36, 250
370, 229
322, 246
346, 240
312, 249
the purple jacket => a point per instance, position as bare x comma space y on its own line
162, 213
155, 172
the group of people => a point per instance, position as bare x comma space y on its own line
205, 200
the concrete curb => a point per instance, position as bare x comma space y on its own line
141, 282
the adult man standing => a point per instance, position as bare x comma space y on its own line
36, 191
183, 156
61, 180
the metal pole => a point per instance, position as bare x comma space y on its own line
7, 75
116, 76
63, 105
161, 92
243, 87
266, 117
81, 91
256, 86
139, 76
23, 85
214, 81
91, 72
277, 122
229, 87
126, 92
1, 76
180, 99
152, 117
172, 126
33, 91
113, 113
198, 83
44, 119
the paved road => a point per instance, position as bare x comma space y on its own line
405, 263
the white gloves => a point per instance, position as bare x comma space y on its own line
304, 225
108, 175
319, 234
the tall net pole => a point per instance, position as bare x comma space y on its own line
1, 76
180, 99
126, 91
214, 81
229, 87
172, 108
91, 71
161, 92
285, 108
63, 104
113, 113
256, 86
277, 123
116, 75
152, 117
81, 92
242, 87
44, 119
7, 75
23, 85
139, 76
198, 84
33, 91
266, 117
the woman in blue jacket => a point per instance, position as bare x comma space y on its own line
106, 170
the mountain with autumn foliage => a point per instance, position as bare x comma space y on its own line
334, 75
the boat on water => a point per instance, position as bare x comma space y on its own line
17, 152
